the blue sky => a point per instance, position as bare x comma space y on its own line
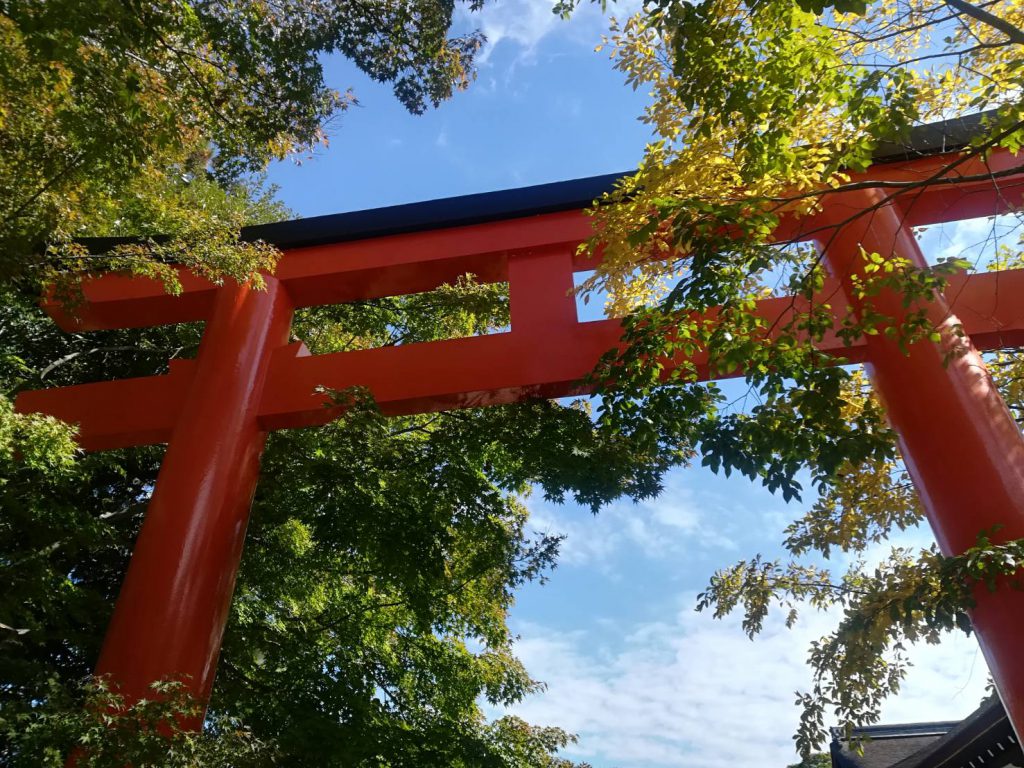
544, 108
630, 667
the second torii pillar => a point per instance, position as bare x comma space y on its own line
961, 444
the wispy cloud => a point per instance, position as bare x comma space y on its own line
679, 519
974, 240
685, 689
691, 691
525, 24
521, 22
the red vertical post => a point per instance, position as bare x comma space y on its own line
961, 445
542, 307
170, 615
542, 302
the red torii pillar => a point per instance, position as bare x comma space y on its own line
174, 603
962, 446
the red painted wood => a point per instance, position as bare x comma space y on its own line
173, 605
961, 445
337, 273
122, 301
421, 261
458, 373
120, 413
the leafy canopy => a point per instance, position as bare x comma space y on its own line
105, 104
369, 620
369, 624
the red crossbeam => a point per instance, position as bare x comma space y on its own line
420, 261
549, 361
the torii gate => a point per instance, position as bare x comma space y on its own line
961, 445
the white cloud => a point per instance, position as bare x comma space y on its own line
691, 691
685, 689
679, 519
974, 240
526, 23
522, 22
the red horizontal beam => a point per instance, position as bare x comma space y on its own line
119, 413
455, 373
116, 300
421, 261
933, 194
334, 274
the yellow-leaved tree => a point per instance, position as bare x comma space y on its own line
759, 109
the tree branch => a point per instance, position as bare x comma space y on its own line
94, 350
1015, 34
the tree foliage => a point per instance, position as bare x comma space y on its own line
383, 556
818, 760
760, 110
369, 621
103, 104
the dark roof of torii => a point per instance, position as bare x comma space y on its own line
524, 201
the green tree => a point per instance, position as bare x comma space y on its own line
369, 621
817, 760
103, 105
759, 110
370, 616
